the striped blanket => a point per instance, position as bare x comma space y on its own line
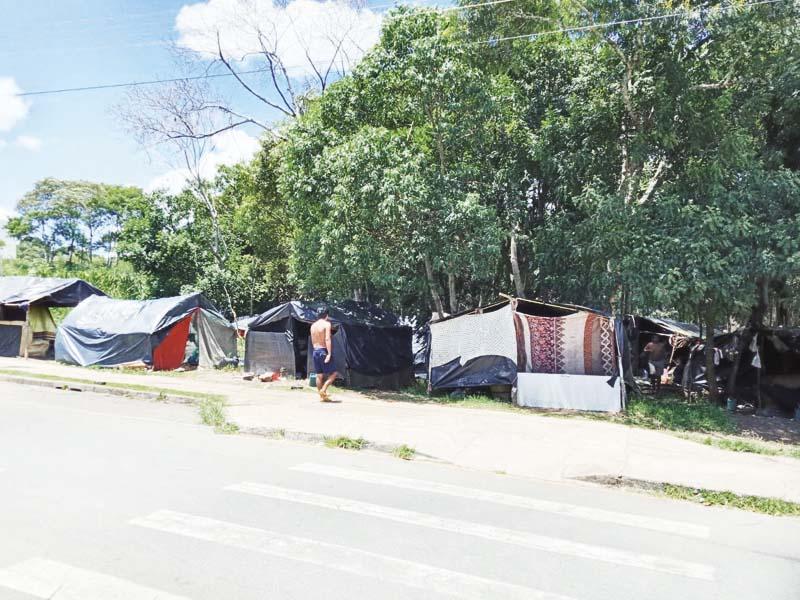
579, 344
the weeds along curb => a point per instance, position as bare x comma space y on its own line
756, 504
399, 450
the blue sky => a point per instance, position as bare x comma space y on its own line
69, 43
51, 44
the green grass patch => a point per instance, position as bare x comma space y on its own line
345, 442
405, 452
742, 445
676, 414
759, 504
212, 412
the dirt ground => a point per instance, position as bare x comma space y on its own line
773, 429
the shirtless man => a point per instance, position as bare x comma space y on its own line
323, 352
657, 357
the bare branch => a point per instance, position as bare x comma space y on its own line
238, 78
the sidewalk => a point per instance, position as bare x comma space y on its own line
528, 445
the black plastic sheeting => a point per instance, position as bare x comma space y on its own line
368, 339
481, 371
10, 338
348, 311
45, 291
107, 332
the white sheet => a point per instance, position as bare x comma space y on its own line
470, 336
574, 392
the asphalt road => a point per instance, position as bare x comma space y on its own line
106, 498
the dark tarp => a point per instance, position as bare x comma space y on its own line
349, 311
481, 371
45, 291
107, 332
10, 339
370, 345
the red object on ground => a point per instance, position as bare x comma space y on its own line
169, 354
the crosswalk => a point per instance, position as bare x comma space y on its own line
340, 558
53, 580
569, 510
46, 578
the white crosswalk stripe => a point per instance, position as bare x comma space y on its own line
560, 508
341, 558
42, 578
489, 532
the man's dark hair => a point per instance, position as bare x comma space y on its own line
323, 313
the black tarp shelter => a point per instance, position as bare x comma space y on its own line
371, 347
154, 333
26, 326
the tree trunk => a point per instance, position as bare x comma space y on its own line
519, 285
451, 290
711, 372
437, 299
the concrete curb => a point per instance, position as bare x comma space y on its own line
99, 388
275, 433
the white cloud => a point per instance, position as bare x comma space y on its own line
230, 147
303, 30
12, 108
9, 250
28, 142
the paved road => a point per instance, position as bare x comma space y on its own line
107, 498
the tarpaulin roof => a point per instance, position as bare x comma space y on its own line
45, 291
107, 332
685, 329
347, 312
112, 316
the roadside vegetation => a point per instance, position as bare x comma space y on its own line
212, 412
405, 452
759, 504
345, 442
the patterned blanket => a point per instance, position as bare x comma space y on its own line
579, 344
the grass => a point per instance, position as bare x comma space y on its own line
348, 443
212, 412
759, 504
405, 452
741, 445
676, 414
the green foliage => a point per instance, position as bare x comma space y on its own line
405, 452
645, 166
345, 442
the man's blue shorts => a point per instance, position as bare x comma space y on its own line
320, 366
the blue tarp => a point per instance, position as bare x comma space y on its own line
107, 332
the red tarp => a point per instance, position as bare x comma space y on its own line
171, 351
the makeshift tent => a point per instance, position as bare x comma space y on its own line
769, 368
26, 325
371, 348
154, 333
640, 330
552, 355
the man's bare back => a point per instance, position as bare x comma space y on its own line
321, 340
320, 333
